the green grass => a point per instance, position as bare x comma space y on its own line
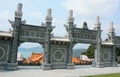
106, 75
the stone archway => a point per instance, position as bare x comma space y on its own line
31, 53
80, 54
23, 32
79, 46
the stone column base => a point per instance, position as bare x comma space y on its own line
115, 64
46, 66
93, 64
3, 65
12, 66
70, 66
99, 65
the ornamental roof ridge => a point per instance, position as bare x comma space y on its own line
5, 33
58, 38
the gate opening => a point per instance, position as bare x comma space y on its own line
82, 54
30, 54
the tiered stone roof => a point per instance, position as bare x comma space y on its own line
36, 58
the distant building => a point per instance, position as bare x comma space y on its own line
85, 58
19, 57
75, 60
36, 58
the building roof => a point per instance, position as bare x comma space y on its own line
19, 56
56, 38
75, 60
3, 33
35, 58
107, 43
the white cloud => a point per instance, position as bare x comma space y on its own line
59, 29
29, 45
4, 24
4, 15
89, 9
4, 27
92, 7
35, 14
117, 29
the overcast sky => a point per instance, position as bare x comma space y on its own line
34, 12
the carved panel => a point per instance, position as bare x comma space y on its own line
84, 36
58, 55
31, 33
2, 52
4, 48
31, 39
117, 40
106, 53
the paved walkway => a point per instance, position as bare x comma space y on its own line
35, 71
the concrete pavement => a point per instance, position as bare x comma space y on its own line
36, 71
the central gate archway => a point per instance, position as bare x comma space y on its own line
23, 32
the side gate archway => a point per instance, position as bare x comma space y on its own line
23, 32
104, 51
84, 35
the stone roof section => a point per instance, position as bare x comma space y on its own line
5, 33
107, 43
56, 38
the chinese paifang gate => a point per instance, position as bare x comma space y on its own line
57, 50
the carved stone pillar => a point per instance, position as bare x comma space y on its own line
98, 54
70, 29
115, 64
111, 38
95, 56
47, 63
16, 25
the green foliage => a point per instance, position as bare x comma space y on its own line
106, 75
89, 52
117, 50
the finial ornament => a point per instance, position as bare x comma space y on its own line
97, 19
42, 24
70, 13
49, 17
18, 12
70, 16
49, 13
85, 25
111, 28
97, 23
19, 7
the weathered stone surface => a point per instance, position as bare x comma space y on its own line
57, 50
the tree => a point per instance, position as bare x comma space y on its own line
89, 52
117, 51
